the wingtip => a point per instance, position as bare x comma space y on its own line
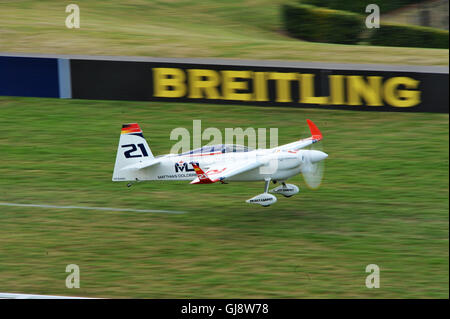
315, 132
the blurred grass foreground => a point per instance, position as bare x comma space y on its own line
384, 201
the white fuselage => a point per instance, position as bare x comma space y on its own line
281, 166
222, 163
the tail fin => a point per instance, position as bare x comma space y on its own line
133, 149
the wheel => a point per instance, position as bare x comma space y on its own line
287, 196
129, 185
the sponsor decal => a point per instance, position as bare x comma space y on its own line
260, 200
284, 190
286, 87
176, 176
389, 88
184, 167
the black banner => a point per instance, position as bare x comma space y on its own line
230, 308
372, 90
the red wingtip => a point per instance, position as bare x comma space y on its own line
315, 132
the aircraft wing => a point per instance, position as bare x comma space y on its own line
223, 171
295, 146
316, 136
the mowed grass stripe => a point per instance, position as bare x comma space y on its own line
93, 208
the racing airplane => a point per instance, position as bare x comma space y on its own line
222, 163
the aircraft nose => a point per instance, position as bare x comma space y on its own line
317, 156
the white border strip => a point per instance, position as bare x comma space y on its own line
95, 208
28, 296
249, 63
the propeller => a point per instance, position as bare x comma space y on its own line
313, 166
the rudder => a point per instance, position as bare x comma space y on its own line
132, 149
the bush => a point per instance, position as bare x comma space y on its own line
359, 6
409, 36
321, 25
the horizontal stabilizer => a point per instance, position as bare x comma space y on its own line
142, 165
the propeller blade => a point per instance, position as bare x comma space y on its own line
314, 166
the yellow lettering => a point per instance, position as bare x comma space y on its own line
337, 89
203, 83
370, 91
307, 91
169, 82
229, 85
260, 86
401, 98
283, 88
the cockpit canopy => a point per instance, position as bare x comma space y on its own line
220, 148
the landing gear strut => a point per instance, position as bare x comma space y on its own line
266, 185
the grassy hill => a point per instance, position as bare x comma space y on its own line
384, 200
249, 29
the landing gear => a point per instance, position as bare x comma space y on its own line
284, 187
131, 183
287, 190
265, 199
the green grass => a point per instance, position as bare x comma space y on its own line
384, 200
250, 29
